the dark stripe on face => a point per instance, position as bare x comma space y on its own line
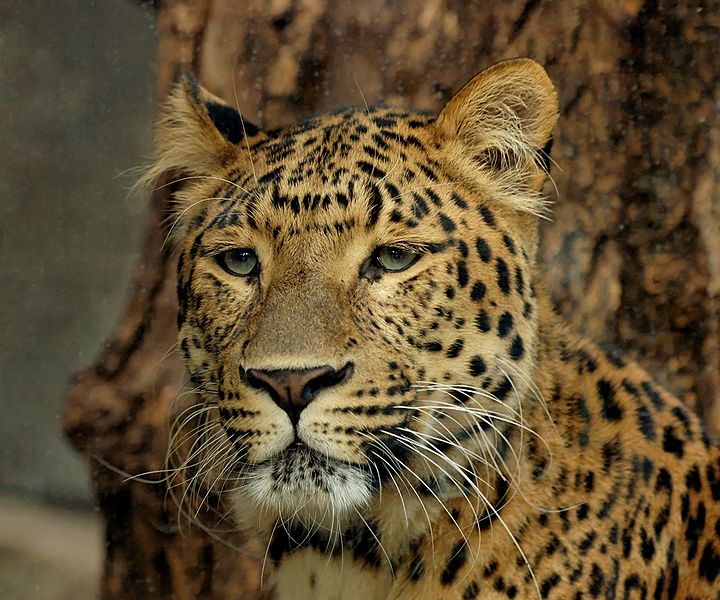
419, 208
503, 276
487, 216
370, 169
483, 249
376, 203
447, 223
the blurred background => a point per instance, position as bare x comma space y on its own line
76, 108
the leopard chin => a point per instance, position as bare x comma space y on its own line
300, 485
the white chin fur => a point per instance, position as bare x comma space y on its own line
300, 485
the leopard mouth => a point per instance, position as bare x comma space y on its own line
302, 484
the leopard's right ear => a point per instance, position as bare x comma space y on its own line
198, 134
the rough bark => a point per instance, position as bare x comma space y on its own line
632, 253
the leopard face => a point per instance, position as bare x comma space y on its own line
348, 283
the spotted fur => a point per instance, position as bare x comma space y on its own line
473, 447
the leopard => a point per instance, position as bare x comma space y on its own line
383, 395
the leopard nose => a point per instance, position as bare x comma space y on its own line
293, 389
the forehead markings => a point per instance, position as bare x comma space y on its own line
333, 139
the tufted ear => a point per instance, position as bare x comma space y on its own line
198, 134
498, 128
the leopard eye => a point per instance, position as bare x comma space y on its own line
394, 259
239, 261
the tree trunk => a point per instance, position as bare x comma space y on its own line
632, 254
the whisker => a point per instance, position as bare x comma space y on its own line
379, 543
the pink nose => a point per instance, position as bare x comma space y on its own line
293, 389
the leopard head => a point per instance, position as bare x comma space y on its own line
355, 292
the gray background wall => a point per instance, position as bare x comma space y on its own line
76, 106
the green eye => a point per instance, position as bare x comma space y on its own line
239, 261
394, 259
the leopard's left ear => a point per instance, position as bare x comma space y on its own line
498, 128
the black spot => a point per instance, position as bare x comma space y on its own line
462, 273
647, 546
487, 216
482, 321
455, 348
503, 388
519, 281
477, 366
270, 176
459, 201
503, 276
384, 122
684, 419
517, 349
632, 582
627, 539
549, 584
611, 452
663, 481
471, 591
671, 443
692, 479
419, 208
376, 203
597, 580
651, 393
365, 545
416, 569
552, 545
645, 422
436, 200
434, 346
456, 561
483, 249
611, 410
709, 563
393, 191
505, 324
478, 291
714, 482
450, 292
430, 174
589, 481
694, 529
370, 169
447, 223
659, 586
674, 580
509, 243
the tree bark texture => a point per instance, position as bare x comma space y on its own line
632, 252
